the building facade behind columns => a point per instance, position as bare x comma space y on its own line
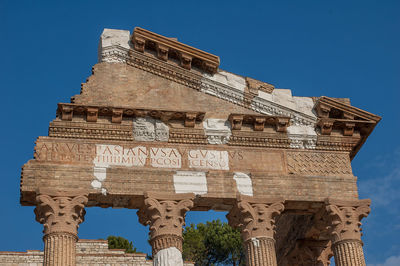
88, 253
160, 128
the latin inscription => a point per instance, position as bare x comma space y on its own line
208, 159
153, 155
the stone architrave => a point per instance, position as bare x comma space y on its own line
60, 213
345, 228
255, 217
165, 214
311, 253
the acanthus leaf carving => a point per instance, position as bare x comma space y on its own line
60, 213
164, 214
345, 218
255, 217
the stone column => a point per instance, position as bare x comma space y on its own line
165, 213
256, 219
311, 253
345, 229
60, 216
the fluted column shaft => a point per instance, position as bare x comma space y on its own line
345, 227
59, 249
260, 252
60, 216
349, 252
256, 219
166, 216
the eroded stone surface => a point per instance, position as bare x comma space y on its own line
190, 182
168, 257
149, 129
218, 131
243, 183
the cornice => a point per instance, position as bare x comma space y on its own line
324, 105
201, 82
66, 112
168, 47
335, 115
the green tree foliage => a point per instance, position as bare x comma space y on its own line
117, 242
213, 243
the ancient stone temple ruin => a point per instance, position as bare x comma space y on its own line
158, 127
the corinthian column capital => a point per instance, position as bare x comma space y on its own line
165, 214
60, 213
255, 216
345, 218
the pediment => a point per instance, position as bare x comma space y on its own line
149, 75
121, 86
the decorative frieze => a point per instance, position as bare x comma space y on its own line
104, 131
187, 136
310, 163
259, 139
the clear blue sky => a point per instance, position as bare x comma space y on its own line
333, 48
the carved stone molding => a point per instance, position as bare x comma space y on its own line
166, 241
187, 136
256, 85
165, 214
255, 216
345, 218
78, 129
144, 39
342, 117
136, 58
66, 111
311, 253
60, 213
259, 139
280, 123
